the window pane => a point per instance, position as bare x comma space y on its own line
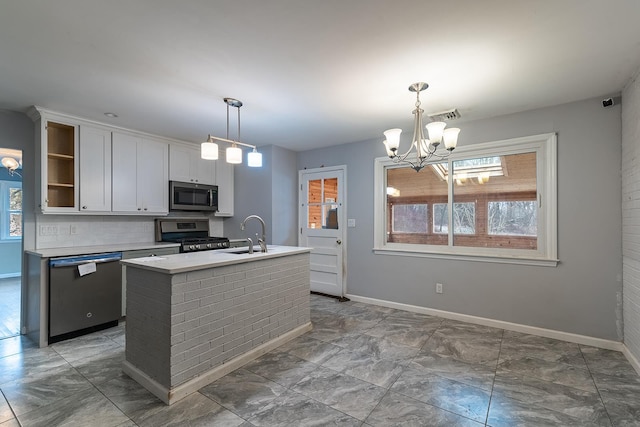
411, 196
440, 218
331, 190
315, 191
464, 218
495, 202
410, 218
515, 218
15, 225
331, 216
15, 199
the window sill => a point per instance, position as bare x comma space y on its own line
520, 260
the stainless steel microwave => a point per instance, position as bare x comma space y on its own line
188, 196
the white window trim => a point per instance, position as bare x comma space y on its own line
545, 146
4, 208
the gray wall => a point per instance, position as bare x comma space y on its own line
631, 214
17, 132
284, 179
579, 296
269, 192
10, 251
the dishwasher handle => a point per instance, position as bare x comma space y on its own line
79, 260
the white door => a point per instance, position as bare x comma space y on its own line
322, 218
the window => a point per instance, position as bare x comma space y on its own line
11, 206
503, 196
464, 218
409, 218
514, 218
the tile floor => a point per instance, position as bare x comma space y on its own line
360, 366
9, 307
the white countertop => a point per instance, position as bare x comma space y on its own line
181, 263
97, 249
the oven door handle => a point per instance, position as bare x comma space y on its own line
210, 197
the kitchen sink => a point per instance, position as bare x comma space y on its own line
246, 252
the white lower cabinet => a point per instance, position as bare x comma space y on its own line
140, 175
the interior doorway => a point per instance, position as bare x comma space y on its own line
10, 241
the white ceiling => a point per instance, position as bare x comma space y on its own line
311, 73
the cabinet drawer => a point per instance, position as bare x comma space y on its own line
149, 252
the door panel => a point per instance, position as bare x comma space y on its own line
321, 219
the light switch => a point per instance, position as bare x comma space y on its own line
351, 222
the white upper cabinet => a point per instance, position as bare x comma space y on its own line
186, 165
153, 176
140, 175
224, 181
95, 169
57, 167
86, 167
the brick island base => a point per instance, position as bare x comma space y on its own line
187, 329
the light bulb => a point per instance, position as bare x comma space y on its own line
234, 155
435, 130
393, 138
450, 138
254, 159
209, 150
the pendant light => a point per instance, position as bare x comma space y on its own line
209, 149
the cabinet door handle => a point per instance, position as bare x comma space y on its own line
139, 209
84, 207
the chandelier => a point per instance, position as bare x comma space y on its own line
209, 149
425, 149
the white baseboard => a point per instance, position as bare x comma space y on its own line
174, 394
631, 358
533, 330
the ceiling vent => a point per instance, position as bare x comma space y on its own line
445, 115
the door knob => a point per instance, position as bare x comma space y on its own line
339, 241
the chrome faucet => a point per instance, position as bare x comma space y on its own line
262, 241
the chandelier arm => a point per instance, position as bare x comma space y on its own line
231, 141
414, 166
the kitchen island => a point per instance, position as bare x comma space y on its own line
194, 317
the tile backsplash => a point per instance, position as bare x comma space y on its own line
61, 231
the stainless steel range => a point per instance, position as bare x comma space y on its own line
191, 233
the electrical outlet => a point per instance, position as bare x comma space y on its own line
73, 229
438, 288
48, 230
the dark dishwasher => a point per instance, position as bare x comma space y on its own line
83, 303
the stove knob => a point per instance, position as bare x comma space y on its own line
198, 247
191, 247
219, 245
209, 245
